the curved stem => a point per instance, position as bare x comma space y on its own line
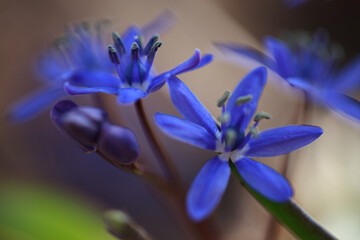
206, 229
136, 170
167, 166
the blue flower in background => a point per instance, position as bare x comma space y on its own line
81, 52
82, 48
310, 63
233, 142
133, 62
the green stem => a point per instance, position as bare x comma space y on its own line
288, 214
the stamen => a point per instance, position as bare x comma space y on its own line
135, 51
154, 49
261, 115
230, 138
151, 42
139, 41
254, 132
222, 100
224, 118
151, 56
114, 57
243, 99
119, 45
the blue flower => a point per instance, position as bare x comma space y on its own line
133, 62
233, 142
310, 65
82, 52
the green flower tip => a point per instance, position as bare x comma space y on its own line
123, 226
243, 99
134, 46
113, 55
222, 100
261, 115
230, 137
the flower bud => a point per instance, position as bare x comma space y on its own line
118, 143
81, 124
123, 226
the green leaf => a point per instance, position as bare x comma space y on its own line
289, 214
43, 214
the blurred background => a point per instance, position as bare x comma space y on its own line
44, 176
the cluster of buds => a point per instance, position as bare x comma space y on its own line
90, 129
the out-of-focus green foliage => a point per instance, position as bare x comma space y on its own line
33, 213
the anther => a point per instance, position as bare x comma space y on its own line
261, 115
222, 100
254, 131
225, 118
135, 51
119, 45
153, 50
139, 41
230, 138
151, 42
243, 99
113, 55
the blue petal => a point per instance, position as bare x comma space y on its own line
50, 65
159, 25
130, 95
190, 107
301, 84
205, 60
249, 52
253, 84
87, 82
207, 189
92, 78
74, 90
344, 104
186, 131
282, 55
278, 141
157, 82
349, 77
35, 103
188, 65
264, 180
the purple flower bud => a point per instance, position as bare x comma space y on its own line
118, 143
81, 124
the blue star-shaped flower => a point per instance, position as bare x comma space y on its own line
233, 142
309, 64
81, 53
133, 63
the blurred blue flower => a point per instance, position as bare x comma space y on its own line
233, 142
82, 48
133, 62
90, 129
294, 3
310, 64
82, 51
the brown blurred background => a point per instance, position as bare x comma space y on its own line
324, 174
